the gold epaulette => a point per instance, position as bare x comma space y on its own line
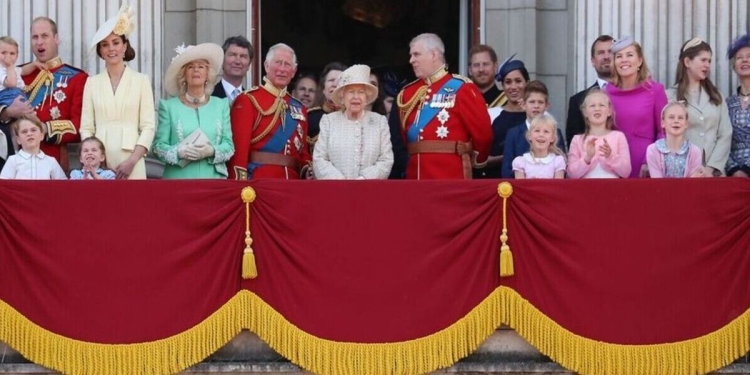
405, 109
463, 78
499, 101
263, 112
318, 108
400, 97
254, 88
43, 78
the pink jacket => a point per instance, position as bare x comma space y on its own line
655, 160
618, 161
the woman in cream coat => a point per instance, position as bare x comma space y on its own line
354, 144
118, 104
708, 115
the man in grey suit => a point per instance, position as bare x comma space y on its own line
601, 59
238, 55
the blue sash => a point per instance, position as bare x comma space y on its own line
427, 113
281, 135
64, 74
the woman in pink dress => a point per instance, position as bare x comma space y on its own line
637, 101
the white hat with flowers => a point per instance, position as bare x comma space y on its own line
210, 52
122, 24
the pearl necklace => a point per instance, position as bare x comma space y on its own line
193, 100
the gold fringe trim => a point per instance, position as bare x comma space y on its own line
167, 356
442, 349
418, 356
700, 355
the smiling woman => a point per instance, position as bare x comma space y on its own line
118, 104
637, 101
514, 77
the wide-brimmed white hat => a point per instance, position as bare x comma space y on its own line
210, 52
121, 24
355, 75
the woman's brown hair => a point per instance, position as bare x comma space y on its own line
681, 77
129, 51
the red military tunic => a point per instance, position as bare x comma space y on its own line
463, 117
57, 97
257, 115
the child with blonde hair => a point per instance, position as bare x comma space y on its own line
600, 152
30, 163
544, 159
93, 161
11, 83
674, 155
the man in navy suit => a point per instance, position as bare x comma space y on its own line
238, 55
536, 102
601, 59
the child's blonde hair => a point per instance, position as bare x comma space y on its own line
99, 142
674, 103
17, 124
610, 124
545, 120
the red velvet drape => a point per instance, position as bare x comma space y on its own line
632, 262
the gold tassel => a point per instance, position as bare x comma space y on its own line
506, 261
249, 269
505, 190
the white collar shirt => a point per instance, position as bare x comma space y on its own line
25, 166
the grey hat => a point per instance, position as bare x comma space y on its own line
622, 43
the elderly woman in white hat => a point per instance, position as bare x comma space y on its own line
354, 143
194, 138
118, 103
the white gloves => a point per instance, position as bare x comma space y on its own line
205, 151
192, 153
188, 152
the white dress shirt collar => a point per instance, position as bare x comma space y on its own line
229, 88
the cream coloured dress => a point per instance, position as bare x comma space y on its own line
121, 119
349, 149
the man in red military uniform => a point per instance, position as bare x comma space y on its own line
444, 120
269, 127
56, 93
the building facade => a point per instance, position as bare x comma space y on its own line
552, 37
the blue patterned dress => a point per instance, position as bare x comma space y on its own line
739, 156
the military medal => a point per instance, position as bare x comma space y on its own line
59, 96
443, 116
63, 82
296, 113
450, 100
442, 131
54, 112
297, 139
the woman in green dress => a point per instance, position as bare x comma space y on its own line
194, 136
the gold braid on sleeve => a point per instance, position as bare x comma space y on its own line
408, 107
278, 107
44, 77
